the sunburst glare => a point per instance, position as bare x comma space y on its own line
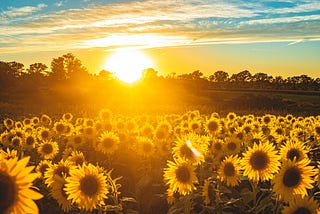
128, 64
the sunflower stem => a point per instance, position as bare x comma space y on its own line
187, 204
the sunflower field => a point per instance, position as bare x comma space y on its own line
172, 163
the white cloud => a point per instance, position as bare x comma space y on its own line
282, 20
23, 11
58, 4
153, 23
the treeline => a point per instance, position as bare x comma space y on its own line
68, 86
69, 68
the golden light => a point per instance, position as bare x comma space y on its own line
128, 64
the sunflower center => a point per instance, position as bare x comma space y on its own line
217, 146
16, 141
259, 160
240, 135
29, 140
292, 177
279, 131
78, 160
45, 134
186, 151
61, 170
89, 185
317, 129
108, 143
8, 191
47, 148
302, 210
183, 174
229, 169
293, 153
77, 140
60, 127
231, 146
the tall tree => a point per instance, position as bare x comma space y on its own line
219, 76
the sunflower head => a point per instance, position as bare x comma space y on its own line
180, 177
87, 187
260, 162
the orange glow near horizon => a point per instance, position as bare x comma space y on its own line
128, 64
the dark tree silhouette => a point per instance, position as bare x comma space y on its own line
219, 76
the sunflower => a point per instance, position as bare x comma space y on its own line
62, 168
77, 158
180, 176
231, 116
59, 194
109, 142
147, 131
145, 147
302, 205
195, 126
229, 171
30, 141
27, 121
217, 146
8, 154
48, 149
16, 141
293, 150
191, 147
67, 117
45, 120
213, 125
316, 128
59, 127
16, 195
44, 134
76, 140
86, 187
8, 123
267, 119
18, 124
232, 145
293, 179
89, 132
35, 121
163, 130
105, 114
260, 162
42, 167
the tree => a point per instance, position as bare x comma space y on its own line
219, 76
66, 67
106, 75
149, 73
38, 68
57, 69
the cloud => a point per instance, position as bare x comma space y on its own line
283, 20
22, 11
155, 23
58, 4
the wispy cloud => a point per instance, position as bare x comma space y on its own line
23, 11
58, 4
155, 23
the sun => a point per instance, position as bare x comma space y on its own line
128, 64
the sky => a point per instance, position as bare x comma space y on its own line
181, 36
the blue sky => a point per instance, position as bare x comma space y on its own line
30, 27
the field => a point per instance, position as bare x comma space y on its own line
214, 151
